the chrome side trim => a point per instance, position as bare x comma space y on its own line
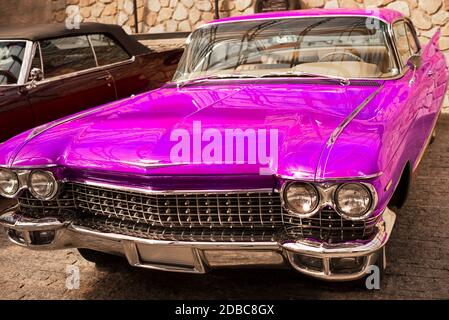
321, 167
87, 71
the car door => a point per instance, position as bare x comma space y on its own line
134, 74
72, 80
417, 87
128, 77
15, 112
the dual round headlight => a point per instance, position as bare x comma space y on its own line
301, 198
9, 183
351, 200
42, 184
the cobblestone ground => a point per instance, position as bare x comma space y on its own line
418, 261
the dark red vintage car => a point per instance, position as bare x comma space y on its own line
49, 71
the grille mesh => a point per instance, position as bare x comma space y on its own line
200, 216
251, 209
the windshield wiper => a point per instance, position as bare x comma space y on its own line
183, 83
342, 80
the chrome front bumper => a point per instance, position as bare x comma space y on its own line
319, 260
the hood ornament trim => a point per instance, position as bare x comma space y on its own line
152, 163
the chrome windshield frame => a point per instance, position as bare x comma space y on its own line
388, 36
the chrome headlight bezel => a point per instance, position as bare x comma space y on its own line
287, 206
327, 198
372, 200
52, 179
17, 184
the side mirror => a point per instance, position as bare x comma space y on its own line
36, 75
414, 62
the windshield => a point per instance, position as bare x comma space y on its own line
347, 47
11, 57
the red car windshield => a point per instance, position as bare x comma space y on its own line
11, 58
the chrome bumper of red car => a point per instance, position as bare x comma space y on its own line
335, 262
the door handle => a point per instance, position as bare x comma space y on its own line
107, 78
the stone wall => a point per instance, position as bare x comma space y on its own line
20, 12
185, 15
153, 15
156, 16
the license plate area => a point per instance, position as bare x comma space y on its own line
164, 257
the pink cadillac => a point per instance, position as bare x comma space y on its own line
284, 139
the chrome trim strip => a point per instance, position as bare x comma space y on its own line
41, 57
218, 22
26, 64
330, 179
390, 45
92, 48
150, 191
41, 166
153, 164
324, 157
87, 71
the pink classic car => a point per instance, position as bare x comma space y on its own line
285, 139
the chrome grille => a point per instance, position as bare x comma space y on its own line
192, 210
329, 226
178, 216
142, 230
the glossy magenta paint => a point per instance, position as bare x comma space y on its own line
115, 142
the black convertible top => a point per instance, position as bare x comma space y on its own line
49, 31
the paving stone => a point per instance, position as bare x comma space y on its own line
418, 266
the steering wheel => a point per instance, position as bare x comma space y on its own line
11, 77
354, 56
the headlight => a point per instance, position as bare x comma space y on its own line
301, 198
42, 185
9, 183
353, 200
